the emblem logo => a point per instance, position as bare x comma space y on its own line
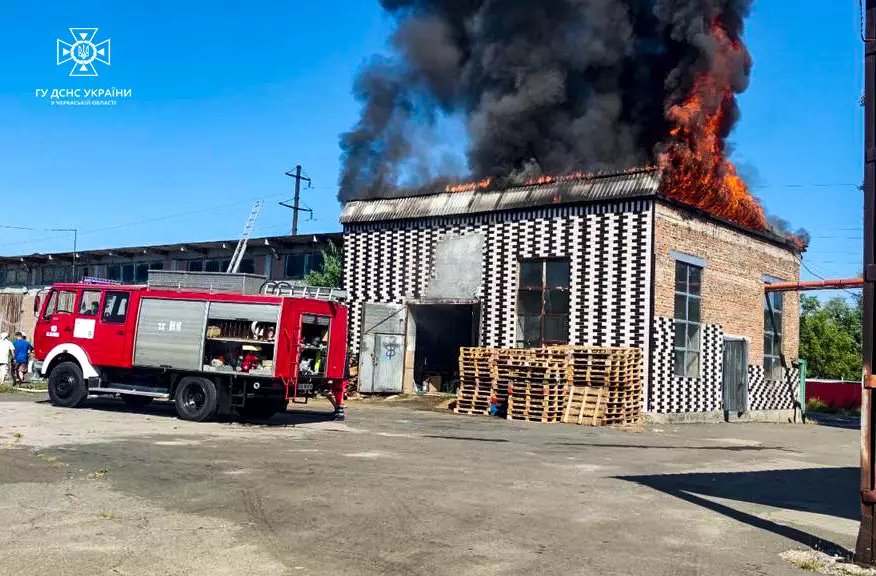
83, 52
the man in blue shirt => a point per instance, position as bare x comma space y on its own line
22, 357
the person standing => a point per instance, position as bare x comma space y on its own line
22, 356
7, 357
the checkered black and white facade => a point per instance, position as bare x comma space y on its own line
673, 394
390, 258
608, 246
766, 394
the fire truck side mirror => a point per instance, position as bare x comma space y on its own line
36, 305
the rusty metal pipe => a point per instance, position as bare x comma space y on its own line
814, 285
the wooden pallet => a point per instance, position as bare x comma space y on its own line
586, 405
536, 402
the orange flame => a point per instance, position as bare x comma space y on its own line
469, 186
695, 166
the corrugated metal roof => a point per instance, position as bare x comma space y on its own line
596, 189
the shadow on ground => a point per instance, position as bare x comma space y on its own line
835, 421
291, 417
828, 491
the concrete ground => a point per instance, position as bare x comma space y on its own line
102, 490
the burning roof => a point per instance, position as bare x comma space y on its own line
547, 89
484, 197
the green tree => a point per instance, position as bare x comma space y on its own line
330, 273
830, 338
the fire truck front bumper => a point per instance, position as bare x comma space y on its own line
38, 367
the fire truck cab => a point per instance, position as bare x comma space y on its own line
210, 353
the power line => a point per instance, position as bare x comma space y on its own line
820, 277
129, 224
15, 227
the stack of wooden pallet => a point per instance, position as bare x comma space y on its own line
476, 383
534, 380
577, 384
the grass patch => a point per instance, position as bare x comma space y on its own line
817, 405
107, 515
31, 385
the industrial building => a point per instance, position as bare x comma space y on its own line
274, 257
597, 261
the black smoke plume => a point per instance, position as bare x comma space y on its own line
547, 87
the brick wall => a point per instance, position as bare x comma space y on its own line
732, 292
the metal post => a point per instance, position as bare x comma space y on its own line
864, 549
802, 362
75, 255
296, 201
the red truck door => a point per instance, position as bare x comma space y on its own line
101, 326
55, 324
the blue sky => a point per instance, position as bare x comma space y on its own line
227, 96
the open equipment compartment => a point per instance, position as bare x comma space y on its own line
314, 345
241, 338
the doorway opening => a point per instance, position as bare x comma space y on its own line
441, 329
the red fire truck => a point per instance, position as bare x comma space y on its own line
211, 353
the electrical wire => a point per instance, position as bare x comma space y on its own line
820, 277
130, 224
16, 227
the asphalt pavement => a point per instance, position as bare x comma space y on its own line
393, 490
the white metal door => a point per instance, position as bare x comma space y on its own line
388, 357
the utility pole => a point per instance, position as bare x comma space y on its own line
295, 209
864, 549
75, 232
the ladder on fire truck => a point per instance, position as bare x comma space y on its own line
240, 250
282, 288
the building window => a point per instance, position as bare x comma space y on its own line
298, 265
141, 273
772, 336
688, 289
128, 273
208, 265
14, 277
247, 266
543, 303
114, 272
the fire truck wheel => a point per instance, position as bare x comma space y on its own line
196, 399
135, 401
67, 386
